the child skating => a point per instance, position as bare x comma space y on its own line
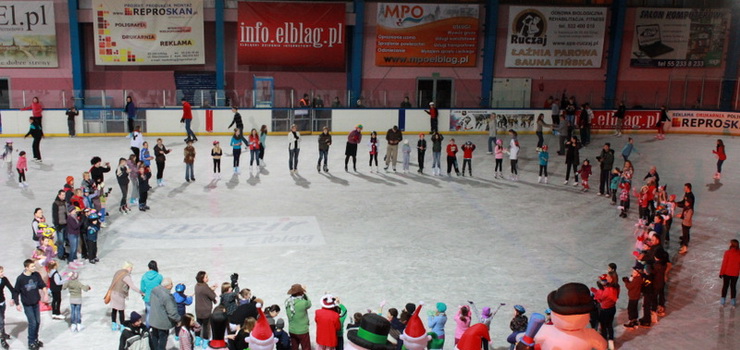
421, 147
468, 149
406, 150
544, 158
498, 172
514, 158
452, 158
585, 172
373, 145
216, 153
22, 167
75, 288
721, 157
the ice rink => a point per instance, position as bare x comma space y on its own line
369, 237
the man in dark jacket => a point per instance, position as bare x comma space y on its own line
59, 219
29, 287
164, 314
133, 332
74, 224
394, 137
606, 160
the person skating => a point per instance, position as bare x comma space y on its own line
437, 139
544, 158
4, 283
35, 131
433, 117
160, 157
421, 148
729, 272
29, 290
374, 150
187, 118
294, 148
75, 288
721, 157
189, 160
130, 110
324, 144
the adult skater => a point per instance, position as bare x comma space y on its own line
661, 123
394, 137
572, 159
71, 113
729, 272
119, 288
620, 114
187, 118
137, 143
237, 120
160, 156
130, 110
606, 162
29, 290
294, 148
353, 139
433, 117
36, 111
35, 131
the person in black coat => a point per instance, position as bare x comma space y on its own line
572, 159
133, 330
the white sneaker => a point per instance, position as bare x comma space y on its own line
80, 327
73, 328
575, 183
20, 184
565, 182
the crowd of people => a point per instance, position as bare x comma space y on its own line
79, 216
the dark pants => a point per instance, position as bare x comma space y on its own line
71, 127
56, 302
36, 121
143, 195
514, 169
555, 120
262, 151
561, 143
21, 175
237, 155
191, 134
569, 166
685, 235
659, 296
130, 124
302, 340
119, 314
374, 157
136, 151
217, 165
604, 181
647, 305
586, 134
491, 142
452, 162
160, 170
124, 193
731, 282
205, 327
254, 155
433, 122
540, 139
92, 249
293, 158
543, 169
499, 165
632, 309
606, 322
421, 159
158, 338
33, 315
36, 147
2, 319
467, 163
719, 165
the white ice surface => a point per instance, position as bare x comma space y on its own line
370, 237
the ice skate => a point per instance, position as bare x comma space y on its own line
575, 183
539, 179
326, 169
684, 249
565, 182
4, 344
545, 179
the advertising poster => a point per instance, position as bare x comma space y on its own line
291, 34
636, 120
555, 37
426, 35
27, 34
724, 123
477, 119
148, 32
670, 38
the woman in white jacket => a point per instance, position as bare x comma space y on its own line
294, 147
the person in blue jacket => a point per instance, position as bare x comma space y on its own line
437, 320
149, 280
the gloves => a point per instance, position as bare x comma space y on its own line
182, 120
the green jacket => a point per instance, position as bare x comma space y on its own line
297, 310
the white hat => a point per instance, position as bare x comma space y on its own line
328, 301
431, 103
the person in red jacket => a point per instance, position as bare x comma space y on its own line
433, 117
634, 286
452, 157
36, 111
607, 295
187, 118
327, 323
730, 271
468, 148
721, 157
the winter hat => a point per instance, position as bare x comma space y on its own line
215, 143
571, 299
520, 309
499, 141
180, 288
328, 301
296, 289
545, 148
134, 317
441, 307
359, 126
405, 142
486, 312
414, 335
9, 141
472, 338
261, 337
410, 308
372, 333
280, 323
431, 103
70, 180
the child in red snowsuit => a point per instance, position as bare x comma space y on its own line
585, 173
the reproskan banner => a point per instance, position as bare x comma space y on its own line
297, 34
148, 32
426, 35
724, 123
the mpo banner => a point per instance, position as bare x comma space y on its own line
427, 35
477, 119
291, 34
555, 37
27, 34
670, 38
148, 32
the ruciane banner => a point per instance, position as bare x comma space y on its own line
427, 35
28, 35
148, 32
297, 34
555, 37
670, 38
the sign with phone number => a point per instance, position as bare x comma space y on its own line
674, 63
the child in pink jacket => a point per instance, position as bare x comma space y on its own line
22, 168
462, 321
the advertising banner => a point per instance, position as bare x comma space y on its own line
555, 37
148, 32
670, 38
637, 120
477, 119
291, 34
426, 35
725, 123
27, 34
